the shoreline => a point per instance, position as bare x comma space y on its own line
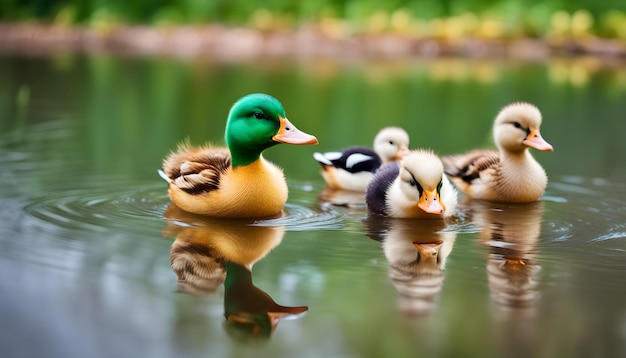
233, 44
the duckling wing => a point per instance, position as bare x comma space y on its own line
376, 195
469, 166
197, 170
353, 159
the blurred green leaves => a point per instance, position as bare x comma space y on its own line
506, 18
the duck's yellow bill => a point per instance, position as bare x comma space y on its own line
288, 133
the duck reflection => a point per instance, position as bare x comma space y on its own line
208, 252
345, 198
511, 231
417, 252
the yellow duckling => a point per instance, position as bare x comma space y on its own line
510, 174
236, 182
416, 187
354, 167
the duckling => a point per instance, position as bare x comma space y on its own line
510, 174
416, 187
354, 167
236, 182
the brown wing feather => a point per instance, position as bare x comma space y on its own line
197, 170
468, 166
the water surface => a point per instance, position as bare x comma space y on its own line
95, 262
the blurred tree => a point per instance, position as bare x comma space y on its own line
607, 18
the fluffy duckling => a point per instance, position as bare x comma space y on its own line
354, 167
416, 187
236, 182
510, 174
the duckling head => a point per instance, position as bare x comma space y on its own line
421, 180
391, 144
257, 122
517, 127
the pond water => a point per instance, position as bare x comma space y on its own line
95, 263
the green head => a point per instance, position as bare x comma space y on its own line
257, 122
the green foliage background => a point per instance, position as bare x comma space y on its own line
535, 18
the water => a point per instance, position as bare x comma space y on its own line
94, 261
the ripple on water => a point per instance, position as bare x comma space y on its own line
302, 218
135, 210
140, 210
591, 209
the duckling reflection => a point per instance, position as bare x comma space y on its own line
417, 252
208, 252
512, 232
340, 197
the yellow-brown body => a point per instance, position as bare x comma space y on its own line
255, 190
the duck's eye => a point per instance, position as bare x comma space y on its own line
391, 142
517, 124
259, 115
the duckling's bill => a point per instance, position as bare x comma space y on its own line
430, 202
401, 153
535, 140
288, 133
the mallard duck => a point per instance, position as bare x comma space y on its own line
510, 174
416, 187
236, 182
354, 167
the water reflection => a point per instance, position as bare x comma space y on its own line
417, 251
208, 252
339, 197
511, 231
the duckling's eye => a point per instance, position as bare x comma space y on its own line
517, 124
259, 115
412, 182
391, 142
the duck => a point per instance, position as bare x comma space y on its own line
509, 174
415, 187
353, 168
236, 182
